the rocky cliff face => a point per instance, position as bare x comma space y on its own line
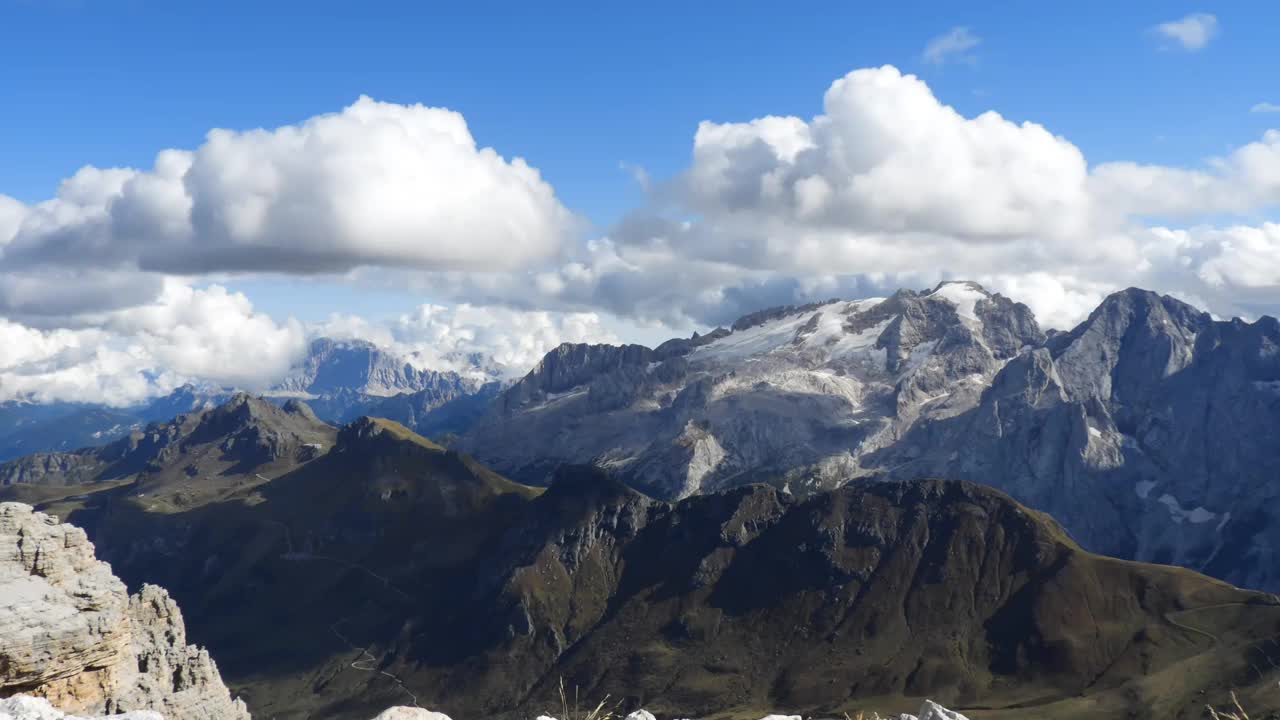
335, 365
796, 396
1149, 430
345, 379
70, 633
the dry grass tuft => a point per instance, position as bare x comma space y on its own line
1235, 712
1239, 713
601, 711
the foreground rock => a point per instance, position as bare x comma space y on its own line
70, 632
23, 707
930, 710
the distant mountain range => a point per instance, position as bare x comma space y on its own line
1149, 431
294, 548
340, 379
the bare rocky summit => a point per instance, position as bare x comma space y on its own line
70, 632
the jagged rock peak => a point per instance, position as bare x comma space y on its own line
70, 633
1122, 310
571, 364
761, 317
360, 366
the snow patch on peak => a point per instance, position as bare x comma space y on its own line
756, 340
964, 295
821, 328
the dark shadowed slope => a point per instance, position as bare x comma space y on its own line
478, 595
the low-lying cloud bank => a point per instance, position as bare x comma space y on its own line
106, 294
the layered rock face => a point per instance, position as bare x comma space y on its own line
344, 379
796, 396
70, 632
1149, 431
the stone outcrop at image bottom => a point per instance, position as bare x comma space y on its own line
71, 634
929, 710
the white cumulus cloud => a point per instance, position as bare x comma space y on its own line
1192, 32
889, 187
885, 187
121, 357
462, 337
375, 184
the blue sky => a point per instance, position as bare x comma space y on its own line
577, 88
1159, 175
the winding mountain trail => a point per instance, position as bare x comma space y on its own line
366, 662
1259, 647
1169, 617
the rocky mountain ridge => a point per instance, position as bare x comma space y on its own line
796, 396
232, 438
1149, 431
1149, 409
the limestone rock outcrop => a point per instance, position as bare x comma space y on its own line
25, 707
70, 632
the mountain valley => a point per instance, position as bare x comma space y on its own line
742, 520
477, 595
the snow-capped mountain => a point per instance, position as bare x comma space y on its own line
1151, 431
797, 396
